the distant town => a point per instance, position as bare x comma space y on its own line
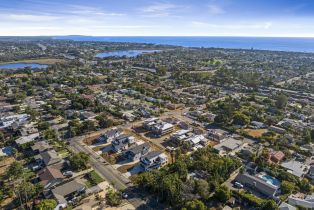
113, 125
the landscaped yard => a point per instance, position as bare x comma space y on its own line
93, 179
63, 153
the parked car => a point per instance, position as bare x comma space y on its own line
238, 185
68, 174
125, 195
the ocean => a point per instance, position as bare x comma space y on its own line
259, 43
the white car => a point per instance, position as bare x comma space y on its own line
125, 195
238, 185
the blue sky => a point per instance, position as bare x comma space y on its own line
281, 18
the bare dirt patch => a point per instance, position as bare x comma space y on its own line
5, 163
255, 133
126, 168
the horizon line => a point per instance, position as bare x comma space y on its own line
239, 36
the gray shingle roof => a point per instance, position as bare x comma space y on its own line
259, 184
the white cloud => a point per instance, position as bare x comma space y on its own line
28, 17
159, 10
85, 10
262, 25
215, 9
158, 7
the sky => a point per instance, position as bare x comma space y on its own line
266, 18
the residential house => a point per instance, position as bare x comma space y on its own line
162, 129
276, 156
28, 129
41, 146
50, 176
311, 173
128, 115
84, 115
135, 153
180, 135
158, 127
9, 120
251, 168
122, 142
259, 184
229, 146
153, 160
299, 199
110, 135
144, 112
217, 135
296, 168
48, 158
196, 140
286, 206
149, 123
249, 150
277, 129
27, 139
258, 125
65, 192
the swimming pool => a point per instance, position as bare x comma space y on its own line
270, 180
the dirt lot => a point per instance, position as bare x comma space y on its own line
255, 133
126, 168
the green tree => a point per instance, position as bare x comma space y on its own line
104, 121
281, 101
50, 134
46, 204
161, 71
307, 136
15, 171
222, 194
113, 198
269, 205
79, 161
1, 136
241, 119
26, 191
75, 127
88, 125
32, 112
181, 168
287, 187
202, 188
305, 185
171, 188
43, 125
194, 205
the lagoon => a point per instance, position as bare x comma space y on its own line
127, 53
22, 65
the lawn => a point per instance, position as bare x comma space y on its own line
93, 179
63, 153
